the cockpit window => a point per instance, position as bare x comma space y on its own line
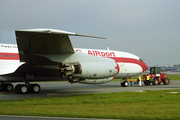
141, 60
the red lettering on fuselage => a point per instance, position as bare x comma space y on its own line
78, 50
102, 54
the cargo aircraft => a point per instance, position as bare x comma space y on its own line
48, 55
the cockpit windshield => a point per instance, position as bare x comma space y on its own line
140, 60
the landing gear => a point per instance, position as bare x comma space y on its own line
6, 87
0, 87
34, 88
124, 83
21, 89
31, 88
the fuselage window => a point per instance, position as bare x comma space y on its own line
15, 56
6, 56
1, 55
11, 56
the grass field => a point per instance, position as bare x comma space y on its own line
148, 105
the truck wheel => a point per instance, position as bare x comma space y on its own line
166, 81
156, 81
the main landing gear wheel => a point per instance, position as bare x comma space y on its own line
21, 89
9, 87
0, 88
6, 87
34, 88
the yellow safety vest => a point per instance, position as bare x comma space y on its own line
147, 77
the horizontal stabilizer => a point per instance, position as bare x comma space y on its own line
54, 31
44, 41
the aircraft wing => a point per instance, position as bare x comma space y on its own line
44, 41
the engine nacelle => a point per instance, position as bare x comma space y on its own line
95, 81
96, 69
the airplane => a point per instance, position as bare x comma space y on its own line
174, 70
48, 55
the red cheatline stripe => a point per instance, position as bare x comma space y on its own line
9, 56
130, 60
117, 67
15, 56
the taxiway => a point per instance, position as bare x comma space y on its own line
54, 89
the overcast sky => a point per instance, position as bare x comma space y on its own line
149, 29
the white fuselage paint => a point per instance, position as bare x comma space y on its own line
129, 64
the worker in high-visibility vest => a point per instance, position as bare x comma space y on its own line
140, 84
147, 80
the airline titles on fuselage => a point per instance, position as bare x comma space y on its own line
99, 53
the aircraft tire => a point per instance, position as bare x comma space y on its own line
0, 88
17, 87
34, 88
124, 84
21, 89
9, 87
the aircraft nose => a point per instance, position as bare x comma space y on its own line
144, 66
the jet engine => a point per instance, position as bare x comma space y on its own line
90, 69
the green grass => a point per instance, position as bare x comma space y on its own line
174, 77
149, 105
